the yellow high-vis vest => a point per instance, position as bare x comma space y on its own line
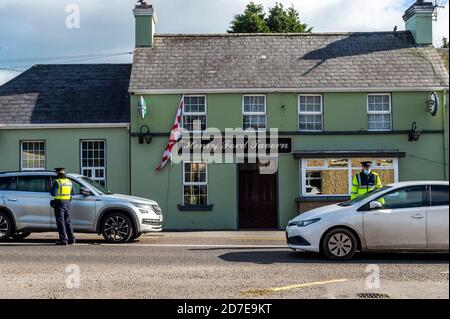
64, 189
363, 184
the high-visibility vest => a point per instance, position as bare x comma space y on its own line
363, 184
64, 189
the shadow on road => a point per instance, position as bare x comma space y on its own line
284, 256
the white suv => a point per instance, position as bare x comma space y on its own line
25, 208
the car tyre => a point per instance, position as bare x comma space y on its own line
20, 236
117, 228
339, 244
6, 227
135, 236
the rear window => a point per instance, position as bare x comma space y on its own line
4, 182
439, 195
37, 184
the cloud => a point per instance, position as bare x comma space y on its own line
5, 76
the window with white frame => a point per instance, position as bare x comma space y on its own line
379, 112
195, 183
254, 112
310, 113
333, 176
194, 113
93, 160
32, 155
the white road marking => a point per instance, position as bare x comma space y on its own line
266, 291
149, 245
444, 272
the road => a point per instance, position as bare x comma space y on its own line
209, 265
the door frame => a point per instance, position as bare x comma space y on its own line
277, 198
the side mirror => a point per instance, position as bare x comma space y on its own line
375, 205
85, 191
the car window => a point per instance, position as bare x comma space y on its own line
413, 196
439, 195
40, 184
4, 182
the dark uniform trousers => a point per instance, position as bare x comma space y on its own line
63, 222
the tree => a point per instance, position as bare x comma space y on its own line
444, 43
251, 21
278, 20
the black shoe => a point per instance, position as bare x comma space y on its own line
72, 242
61, 243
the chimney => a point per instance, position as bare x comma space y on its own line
419, 20
145, 24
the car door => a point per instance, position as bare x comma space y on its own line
28, 197
437, 218
82, 209
400, 223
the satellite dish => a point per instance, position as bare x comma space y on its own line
433, 104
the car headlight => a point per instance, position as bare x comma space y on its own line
304, 223
144, 208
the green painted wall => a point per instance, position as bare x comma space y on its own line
343, 112
145, 29
421, 27
63, 149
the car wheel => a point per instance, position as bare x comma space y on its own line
20, 236
5, 227
339, 244
135, 236
117, 228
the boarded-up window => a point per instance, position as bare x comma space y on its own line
333, 176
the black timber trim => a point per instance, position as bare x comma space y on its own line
347, 153
321, 199
337, 133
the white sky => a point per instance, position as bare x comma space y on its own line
30, 28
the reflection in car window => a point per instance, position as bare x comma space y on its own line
39, 184
75, 188
414, 196
439, 195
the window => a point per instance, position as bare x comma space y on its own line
254, 112
32, 155
439, 195
310, 117
4, 182
195, 183
194, 113
93, 160
407, 197
333, 176
379, 112
40, 184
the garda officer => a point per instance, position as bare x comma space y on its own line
62, 196
366, 181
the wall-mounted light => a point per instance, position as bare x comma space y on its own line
414, 134
144, 135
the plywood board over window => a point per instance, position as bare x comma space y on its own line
333, 176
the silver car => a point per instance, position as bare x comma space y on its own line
25, 208
407, 216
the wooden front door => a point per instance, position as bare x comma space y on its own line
257, 199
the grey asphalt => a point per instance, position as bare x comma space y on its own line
209, 265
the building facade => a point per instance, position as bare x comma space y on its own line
336, 99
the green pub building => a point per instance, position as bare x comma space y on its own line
336, 98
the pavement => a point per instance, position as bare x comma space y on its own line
185, 265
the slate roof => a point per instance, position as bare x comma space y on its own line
67, 93
287, 61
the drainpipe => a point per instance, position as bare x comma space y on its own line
445, 116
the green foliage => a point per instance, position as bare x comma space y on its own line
277, 20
